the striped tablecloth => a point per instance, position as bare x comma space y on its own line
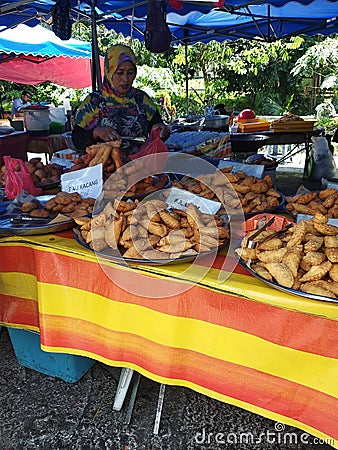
239, 341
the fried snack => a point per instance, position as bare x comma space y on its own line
113, 232
326, 229
281, 273
329, 285
299, 231
292, 259
39, 213
331, 241
271, 244
272, 256
312, 259
332, 254
317, 272
262, 271
28, 207
311, 288
313, 244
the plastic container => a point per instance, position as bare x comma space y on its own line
36, 120
252, 125
26, 345
58, 120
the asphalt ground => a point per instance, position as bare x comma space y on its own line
41, 412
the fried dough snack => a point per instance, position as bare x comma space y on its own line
324, 202
307, 262
237, 191
149, 230
72, 205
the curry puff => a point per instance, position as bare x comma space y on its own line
304, 258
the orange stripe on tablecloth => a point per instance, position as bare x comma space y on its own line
17, 259
19, 311
251, 386
291, 328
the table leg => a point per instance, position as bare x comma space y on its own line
122, 388
160, 402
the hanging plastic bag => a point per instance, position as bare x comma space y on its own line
156, 148
157, 36
323, 164
17, 178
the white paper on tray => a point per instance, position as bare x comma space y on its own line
65, 163
88, 182
255, 170
180, 199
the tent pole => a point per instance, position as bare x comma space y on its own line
186, 78
96, 70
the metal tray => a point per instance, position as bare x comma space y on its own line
286, 289
117, 257
7, 228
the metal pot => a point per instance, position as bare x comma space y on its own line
216, 122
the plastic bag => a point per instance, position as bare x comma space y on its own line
157, 36
17, 178
156, 148
323, 164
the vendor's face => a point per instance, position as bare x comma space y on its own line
123, 77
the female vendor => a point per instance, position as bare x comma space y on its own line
119, 109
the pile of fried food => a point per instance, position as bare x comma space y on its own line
150, 231
42, 174
72, 205
106, 153
324, 201
237, 191
122, 184
287, 117
305, 258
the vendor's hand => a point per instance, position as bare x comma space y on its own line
165, 130
105, 134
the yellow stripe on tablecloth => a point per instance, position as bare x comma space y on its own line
19, 285
203, 337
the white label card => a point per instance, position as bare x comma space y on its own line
88, 182
180, 199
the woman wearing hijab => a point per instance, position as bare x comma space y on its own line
119, 109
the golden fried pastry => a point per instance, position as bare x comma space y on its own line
325, 193
316, 290
326, 229
313, 244
39, 213
262, 271
299, 231
292, 259
332, 254
329, 285
306, 198
333, 272
271, 244
317, 272
28, 207
272, 255
312, 259
246, 253
331, 241
281, 273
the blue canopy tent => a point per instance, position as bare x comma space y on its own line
190, 20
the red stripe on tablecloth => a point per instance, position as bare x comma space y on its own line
17, 259
293, 329
19, 311
263, 390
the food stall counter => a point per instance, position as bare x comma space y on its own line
225, 334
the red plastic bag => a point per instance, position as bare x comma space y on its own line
157, 151
17, 178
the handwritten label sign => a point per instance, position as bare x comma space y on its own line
180, 199
88, 182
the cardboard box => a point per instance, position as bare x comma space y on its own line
26, 345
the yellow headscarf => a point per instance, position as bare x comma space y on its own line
115, 56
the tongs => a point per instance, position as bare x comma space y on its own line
29, 219
133, 138
261, 227
253, 244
